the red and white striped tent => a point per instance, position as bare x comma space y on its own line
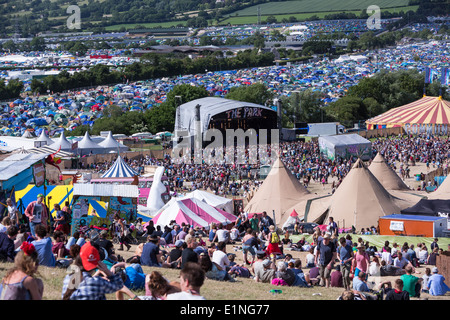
428, 114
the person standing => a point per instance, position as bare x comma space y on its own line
325, 255
13, 213
37, 213
345, 256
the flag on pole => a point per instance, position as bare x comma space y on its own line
445, 76
428, 75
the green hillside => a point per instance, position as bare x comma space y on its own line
307, 6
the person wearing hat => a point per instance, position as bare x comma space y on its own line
436, 283
37, 213
361, 260
90, 278
264, 270
151, 253
325, 256
107, 245
174, 258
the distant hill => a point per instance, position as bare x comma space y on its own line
28, 17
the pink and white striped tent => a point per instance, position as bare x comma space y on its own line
193, 212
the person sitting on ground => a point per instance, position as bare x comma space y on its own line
301, 279
401, 262
411, 283
43, 245
436, 284
283, 275
157, 287
390, 270
173, 259
425, 279
397, 292
359, 282
222, 235
220, 257
188, 254
6, 223
211, 269
265, 270
192, 278
7, 246
151, 253
432, 257
106, 245
20, 282
310, 259
336, 278
58, 247
84, 282
351, 295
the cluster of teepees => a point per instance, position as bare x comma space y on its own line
365, 195
280, 193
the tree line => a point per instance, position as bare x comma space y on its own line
151, 66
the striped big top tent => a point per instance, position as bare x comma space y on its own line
119, 170
428, 114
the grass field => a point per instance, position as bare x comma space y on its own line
243, 288
252, 18
302, 6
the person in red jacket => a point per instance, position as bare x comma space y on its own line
36, 213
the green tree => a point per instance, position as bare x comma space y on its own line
256, 93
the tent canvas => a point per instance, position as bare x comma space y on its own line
429, 207
443, 192
345, 146
291, 220
192, 212
111, 144
279, 192
219, 202
360, 200
386, 175
62, 142
119, 169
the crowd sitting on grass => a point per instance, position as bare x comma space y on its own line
95, 269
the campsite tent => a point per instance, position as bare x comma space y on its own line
119, 169
193, 212
345, 146
360, 200
218, 202
428, 114
87, 146
62, 142
291, 220
279, 192
386, 175
44, 138
111, 144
